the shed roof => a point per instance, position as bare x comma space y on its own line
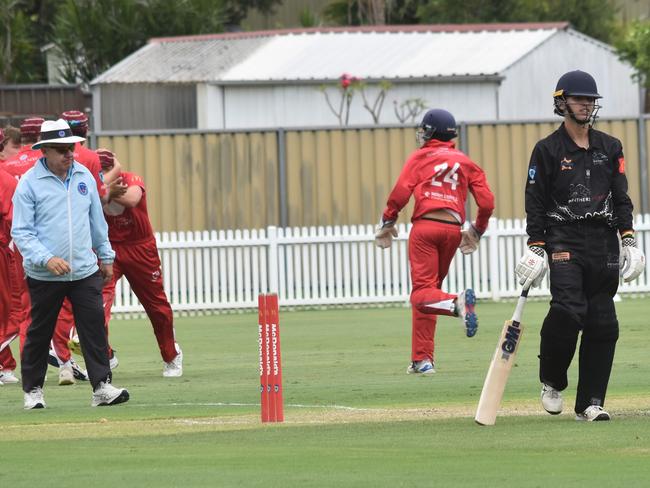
321, 54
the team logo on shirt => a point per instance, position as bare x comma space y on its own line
155, 276
82, 188
579, 194
598, 158
532, 171
566, 164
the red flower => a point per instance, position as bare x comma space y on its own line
345, 80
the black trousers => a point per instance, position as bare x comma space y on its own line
584, 273
47, 297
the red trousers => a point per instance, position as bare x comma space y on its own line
140, 264
14, 298
5, 286
63, 332
432, 246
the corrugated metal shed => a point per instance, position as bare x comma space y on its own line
289, 78
387, 52
181, 60
385, 55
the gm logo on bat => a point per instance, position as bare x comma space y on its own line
511, 339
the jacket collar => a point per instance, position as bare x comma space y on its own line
42, 171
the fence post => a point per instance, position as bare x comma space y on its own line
272, 235
643, 161
493, 253
283, 197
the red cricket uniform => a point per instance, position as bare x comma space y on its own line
65, 322
7, 272
136, 257
21, 162
439, 176
19, 318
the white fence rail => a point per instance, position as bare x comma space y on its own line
226, 270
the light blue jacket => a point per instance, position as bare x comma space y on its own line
63, 219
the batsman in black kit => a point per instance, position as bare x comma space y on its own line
577, 206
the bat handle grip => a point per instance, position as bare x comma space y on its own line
519, 309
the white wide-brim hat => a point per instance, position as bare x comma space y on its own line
56, 132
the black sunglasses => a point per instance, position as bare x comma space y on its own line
62, 149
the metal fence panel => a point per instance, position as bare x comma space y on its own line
232, 180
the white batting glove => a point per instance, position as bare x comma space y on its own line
632, 260
384, 234
532, 267
469, 240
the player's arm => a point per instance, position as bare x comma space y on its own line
532, 266
99, 236
23, 229
398, 198
632, 259
536, 198
620, 199
131, 197
484, 198
111, 175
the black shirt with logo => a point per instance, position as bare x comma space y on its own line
567, 183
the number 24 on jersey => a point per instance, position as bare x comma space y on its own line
444, 174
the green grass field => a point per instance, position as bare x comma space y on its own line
353, 417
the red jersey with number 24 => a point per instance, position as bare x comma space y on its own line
129, 224
439, 176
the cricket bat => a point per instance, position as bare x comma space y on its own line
502, 361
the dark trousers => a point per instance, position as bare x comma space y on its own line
583, 266
47, 298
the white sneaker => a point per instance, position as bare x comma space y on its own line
174, 368
66, 375
8, 377
423, 366
106, 394
551, 400
34, 399
593, 413
112, 361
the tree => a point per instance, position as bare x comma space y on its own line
21, 35
635, 49
469, 11
372, 12
596, 18
92, 35
236, 10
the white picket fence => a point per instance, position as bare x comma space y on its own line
226, 270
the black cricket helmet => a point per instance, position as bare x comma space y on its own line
575, 84
436, 124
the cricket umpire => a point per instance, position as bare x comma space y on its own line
577, 206
58, 227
